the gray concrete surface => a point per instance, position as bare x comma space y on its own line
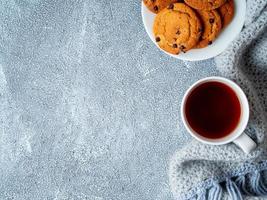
89, 107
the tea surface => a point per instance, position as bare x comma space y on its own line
213, 110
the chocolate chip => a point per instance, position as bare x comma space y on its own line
210, 42
170, 6
156, 8
211, 20
157, 39
178, 32
174, 46
182, 48
152, 1
180, 1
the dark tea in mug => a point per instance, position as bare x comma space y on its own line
213, 110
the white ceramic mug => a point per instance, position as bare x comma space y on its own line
237, 135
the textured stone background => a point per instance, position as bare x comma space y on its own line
89, 107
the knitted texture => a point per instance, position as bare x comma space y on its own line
201, 171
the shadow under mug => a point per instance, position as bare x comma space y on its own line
237, 135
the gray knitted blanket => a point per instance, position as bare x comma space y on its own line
200, 171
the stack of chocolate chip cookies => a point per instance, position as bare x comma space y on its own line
182, 25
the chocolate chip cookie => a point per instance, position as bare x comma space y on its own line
205, 4
212, 26
177, 28
227, 12
157, 5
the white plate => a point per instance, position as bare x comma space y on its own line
219, 44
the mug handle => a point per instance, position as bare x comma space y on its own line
245, 143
